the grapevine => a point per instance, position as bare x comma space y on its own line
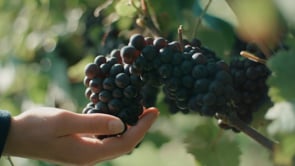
220, 73
192, 77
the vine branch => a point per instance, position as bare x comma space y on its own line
199, 21
235, 122
146, 16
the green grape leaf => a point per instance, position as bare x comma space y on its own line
157, 137
124, 9
282, 80
172, 153
211, 148
249, 149
216, 26
285, 151
283, 116
215, 18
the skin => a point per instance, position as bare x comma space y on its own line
63, 137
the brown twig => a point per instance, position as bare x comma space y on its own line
235, 122
146, 17
144, 7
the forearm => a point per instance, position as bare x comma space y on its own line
5, 120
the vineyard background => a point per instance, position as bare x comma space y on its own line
45, 45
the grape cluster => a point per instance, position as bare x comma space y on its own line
249, 79
198, 81
112, 89
191, 76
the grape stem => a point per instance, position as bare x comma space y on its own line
145, 14
235, 122
180, 39
148, 19
199, 21
252, 57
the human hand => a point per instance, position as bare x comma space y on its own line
59, 136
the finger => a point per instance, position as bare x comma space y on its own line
114, 147
91, 124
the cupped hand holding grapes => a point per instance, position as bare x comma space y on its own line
63, 137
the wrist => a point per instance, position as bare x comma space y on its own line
13, 140
5, 125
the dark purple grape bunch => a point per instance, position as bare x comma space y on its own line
249, 80
192, 77
195, 79
112, 89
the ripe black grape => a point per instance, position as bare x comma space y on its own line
128, 54
91, 70
105, 96
137, 41
122, 80
95, 85
160, 43
100, 59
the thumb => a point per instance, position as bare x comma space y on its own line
91, 124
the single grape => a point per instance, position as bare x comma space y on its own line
137, 41
109, 83
105, 96
105, 68
116, 53
116, 69
91, 70
88, 92
95, 85
130, 91
102, 107
100, 59
94, 98
160, 43
129, 54
122, 80
199, 58
86, 81
114, 106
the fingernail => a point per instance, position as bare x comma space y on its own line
116, 126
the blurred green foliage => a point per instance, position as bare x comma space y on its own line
45, 44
